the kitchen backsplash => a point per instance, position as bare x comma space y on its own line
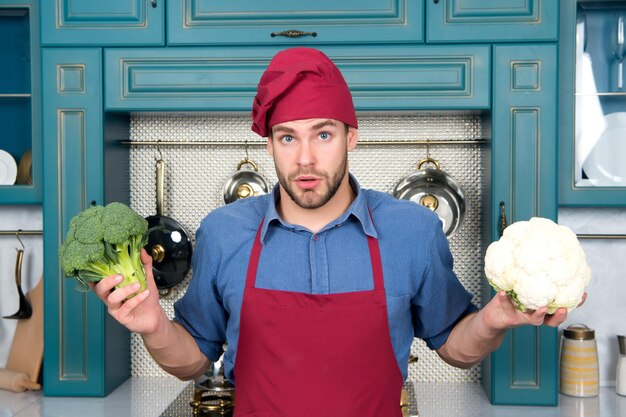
195, 175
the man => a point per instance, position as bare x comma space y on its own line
319, 287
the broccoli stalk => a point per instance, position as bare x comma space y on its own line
103, 241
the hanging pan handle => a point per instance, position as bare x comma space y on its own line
429, 160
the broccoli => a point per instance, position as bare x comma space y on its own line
103, 241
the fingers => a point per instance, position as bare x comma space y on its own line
121, 307
146, 259
104, 287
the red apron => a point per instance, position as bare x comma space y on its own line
315, 355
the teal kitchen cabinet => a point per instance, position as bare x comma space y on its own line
86, 352
401, 77
274, 22
592, 106
20, 99
491, 21
110, 22
524, 370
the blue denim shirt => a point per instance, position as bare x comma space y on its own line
424, 297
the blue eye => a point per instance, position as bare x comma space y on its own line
287, 139
324, 135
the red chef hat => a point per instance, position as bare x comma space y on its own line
301, 83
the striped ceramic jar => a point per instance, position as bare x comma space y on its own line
579, 376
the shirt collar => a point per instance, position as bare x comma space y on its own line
358, 209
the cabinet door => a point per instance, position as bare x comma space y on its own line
491, 21
524, 369
592, 113
87, 353
20, 103
248, 22
110, 22
404, 77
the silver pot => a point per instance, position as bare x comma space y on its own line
435, 189
244, 183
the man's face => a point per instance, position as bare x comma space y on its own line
311, 158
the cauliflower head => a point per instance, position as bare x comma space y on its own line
539, 264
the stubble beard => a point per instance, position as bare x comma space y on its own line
310, 199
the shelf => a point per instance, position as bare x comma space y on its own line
16, 95
622, 94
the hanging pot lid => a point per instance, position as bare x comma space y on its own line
245, 182
436, 190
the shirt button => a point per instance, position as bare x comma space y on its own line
316, 237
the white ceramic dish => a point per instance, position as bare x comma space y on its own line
8, 168
606, 163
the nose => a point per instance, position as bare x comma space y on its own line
306, 155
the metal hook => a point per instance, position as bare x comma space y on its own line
428, 148
17, 235
246, 147
159, 150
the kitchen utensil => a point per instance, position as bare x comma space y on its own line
16, 381
605, 165
620, 382
26, 351
244, 182
619, 49
8, 168
168, 241
24, 310
25, 169
436, 190
579, 375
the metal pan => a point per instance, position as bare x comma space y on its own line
168, 243
244, 183
437, 190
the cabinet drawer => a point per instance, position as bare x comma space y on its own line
111, 22
249, 22
381, 78
491, 21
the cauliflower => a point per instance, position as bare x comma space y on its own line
539, 264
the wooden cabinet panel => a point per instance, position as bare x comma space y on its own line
86, 352
491, 21
380, 77
524, 370
274, 22
110, 22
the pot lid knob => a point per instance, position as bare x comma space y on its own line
158, 253
429, 201
244, 190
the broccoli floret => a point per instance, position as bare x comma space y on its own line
102, 241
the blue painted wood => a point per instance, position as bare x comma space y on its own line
491, 21
569, 193
523, 159
380, 77
110, 22
249, 22
86, 353
20, 94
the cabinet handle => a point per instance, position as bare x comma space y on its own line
153, 3
503, 223
293, 33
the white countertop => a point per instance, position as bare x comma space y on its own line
150, 396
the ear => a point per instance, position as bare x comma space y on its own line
270, 146
353, 135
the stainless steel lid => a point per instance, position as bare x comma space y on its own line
579, 332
